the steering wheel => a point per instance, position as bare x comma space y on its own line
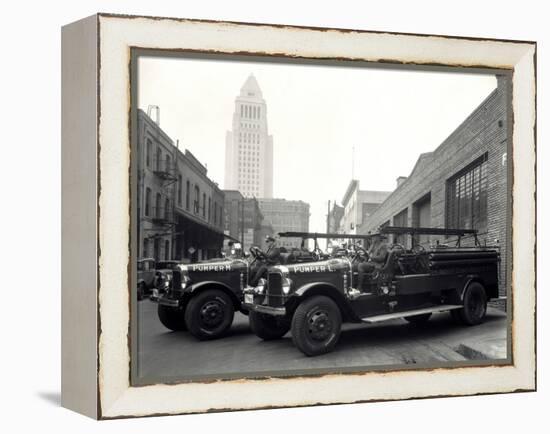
360, 249
316, 254
257, 253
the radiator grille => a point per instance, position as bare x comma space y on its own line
176, 282
275, 288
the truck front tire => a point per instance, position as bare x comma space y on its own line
268, 327
316, 325
209, 314
172, 318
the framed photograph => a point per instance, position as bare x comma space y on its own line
262, 216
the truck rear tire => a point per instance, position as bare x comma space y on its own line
172, 318
209, 314
475, 304
268, 327
316, 325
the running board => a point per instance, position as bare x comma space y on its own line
388, 316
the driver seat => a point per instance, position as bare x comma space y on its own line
387, 271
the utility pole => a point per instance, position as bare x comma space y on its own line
242, 223
328, 224
328, 217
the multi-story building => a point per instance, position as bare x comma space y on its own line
286, 215
334, 217
180, 209
243, 219
358, 206
249, 147
461, 184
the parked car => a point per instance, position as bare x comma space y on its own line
146, 277
203, 297
312, 300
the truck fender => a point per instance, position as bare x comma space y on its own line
327, 289
469, 280
212, 284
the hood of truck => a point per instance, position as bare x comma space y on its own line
328, 266
222, 266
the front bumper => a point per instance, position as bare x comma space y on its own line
164, 300
262, 308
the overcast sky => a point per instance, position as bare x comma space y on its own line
317, 115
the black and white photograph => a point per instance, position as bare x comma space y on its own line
277, 217
297, 217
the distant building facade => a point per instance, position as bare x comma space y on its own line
180, 209
249, 147
461, 184
243, 219
284, 216
358, 206
334, 218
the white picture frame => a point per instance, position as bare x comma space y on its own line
96, 307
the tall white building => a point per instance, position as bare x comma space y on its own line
248, 146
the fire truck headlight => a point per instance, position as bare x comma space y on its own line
260, 288
287, 283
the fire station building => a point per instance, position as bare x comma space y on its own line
462, 184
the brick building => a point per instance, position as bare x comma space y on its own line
461, 184
180, 209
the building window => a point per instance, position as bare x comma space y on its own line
258, 112
148, 201
422, 218
167, 209
156, 247
168, 163
148, 153
159, 158
196, 203
209, 207
215, 212
145, 248
180, 181
167, 249
467, 197
204, 204
187, 194
401, 221
157, 205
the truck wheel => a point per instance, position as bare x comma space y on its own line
475, 304
419, 319
268, 327
172, 318
316, 325
209, 314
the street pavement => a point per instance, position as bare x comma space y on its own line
171, 356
